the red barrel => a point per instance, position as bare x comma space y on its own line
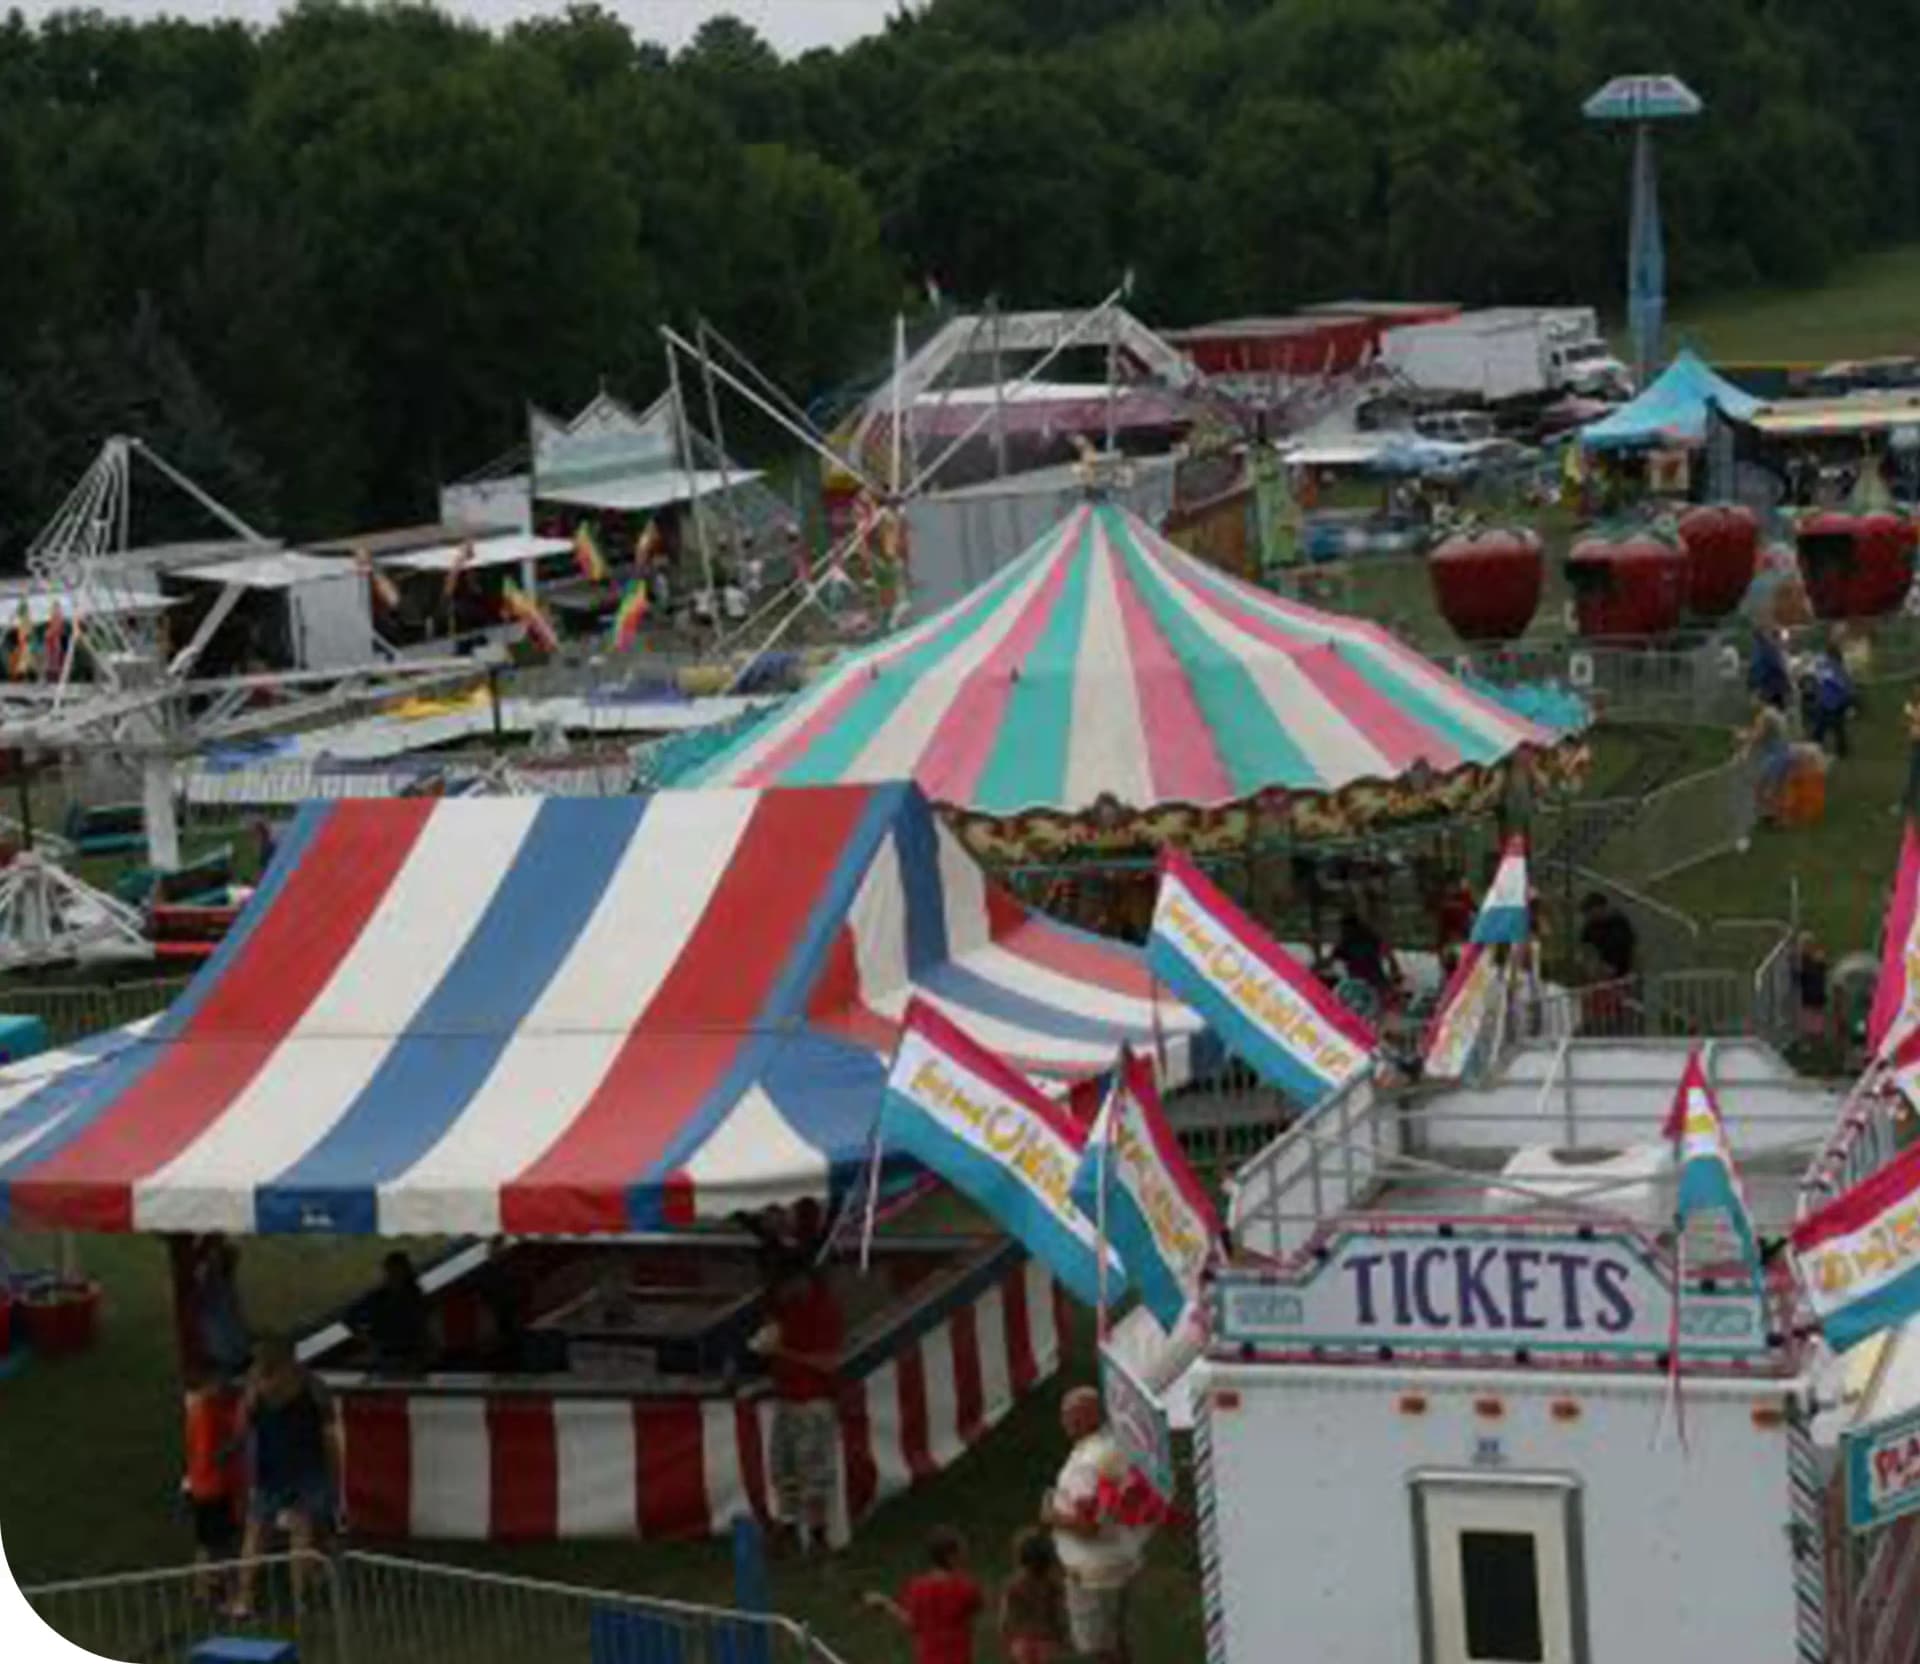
1488, 586
62, 1319
1722, 544
1630, 586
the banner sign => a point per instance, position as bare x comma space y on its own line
1882, 1466
1138, 1424
1859, 1256
1266, 1005
1158, 1217
1475, 1285
990, 1133
1467, 1008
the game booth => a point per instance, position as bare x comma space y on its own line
575, 1045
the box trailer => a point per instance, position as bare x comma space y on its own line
1506, 353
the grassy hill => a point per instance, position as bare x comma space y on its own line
1871, 307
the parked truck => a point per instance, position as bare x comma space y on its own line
1507, 353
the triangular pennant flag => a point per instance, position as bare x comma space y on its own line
1709, 1182
1895, 1014
1503, 915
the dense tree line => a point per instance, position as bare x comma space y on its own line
325, 265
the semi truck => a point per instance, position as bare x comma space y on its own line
1507, 353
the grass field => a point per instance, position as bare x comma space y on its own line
89, 1461
1869, 308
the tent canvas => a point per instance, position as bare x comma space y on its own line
1106, 665
550, 1016
1672, 410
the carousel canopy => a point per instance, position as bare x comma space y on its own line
1107, 664
544, 1015
1672, 410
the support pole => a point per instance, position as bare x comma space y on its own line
718, 433
999, 394
163, 824
899, 404
693, 484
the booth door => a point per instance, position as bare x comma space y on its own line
1499, 1569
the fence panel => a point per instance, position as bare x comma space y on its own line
73, 1013
413, 1612
381, 1609
160, 1617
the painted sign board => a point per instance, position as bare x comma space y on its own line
1483, 1286
1138, 1424
1882, 1463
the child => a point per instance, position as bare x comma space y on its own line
1033, 1606
937, 1608
211, 1482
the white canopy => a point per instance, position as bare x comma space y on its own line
509, 550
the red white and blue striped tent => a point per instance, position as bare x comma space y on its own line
545, 1015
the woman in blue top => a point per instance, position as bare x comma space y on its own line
292, 1447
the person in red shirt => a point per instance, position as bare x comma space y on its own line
939, 1607
211, 1484
802, 1344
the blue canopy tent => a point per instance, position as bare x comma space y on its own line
1672, 410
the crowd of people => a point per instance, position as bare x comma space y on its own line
1817, 693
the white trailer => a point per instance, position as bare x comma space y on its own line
1368, 1515
1436, 1419
1505, 353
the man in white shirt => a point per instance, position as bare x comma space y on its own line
1098, 1555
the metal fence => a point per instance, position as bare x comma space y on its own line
1644, 839
74, 1012
363, 1608
160, 1617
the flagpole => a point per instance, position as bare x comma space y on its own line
1108, 1116
873, 1191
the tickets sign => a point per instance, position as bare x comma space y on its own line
1477, 1286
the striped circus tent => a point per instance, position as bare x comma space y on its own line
1108, 674
561, 1015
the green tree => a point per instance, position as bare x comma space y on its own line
1462, 210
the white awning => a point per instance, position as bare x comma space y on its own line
487, 551
638, 493
282, 569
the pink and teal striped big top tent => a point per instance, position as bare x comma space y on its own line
1107, 680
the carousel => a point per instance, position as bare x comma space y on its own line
1109, 692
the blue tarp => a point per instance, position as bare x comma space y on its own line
1672, 410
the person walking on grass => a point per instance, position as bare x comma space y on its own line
1099, 1555
211, 1481
293, 1449
939, 1607
1033, 1606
